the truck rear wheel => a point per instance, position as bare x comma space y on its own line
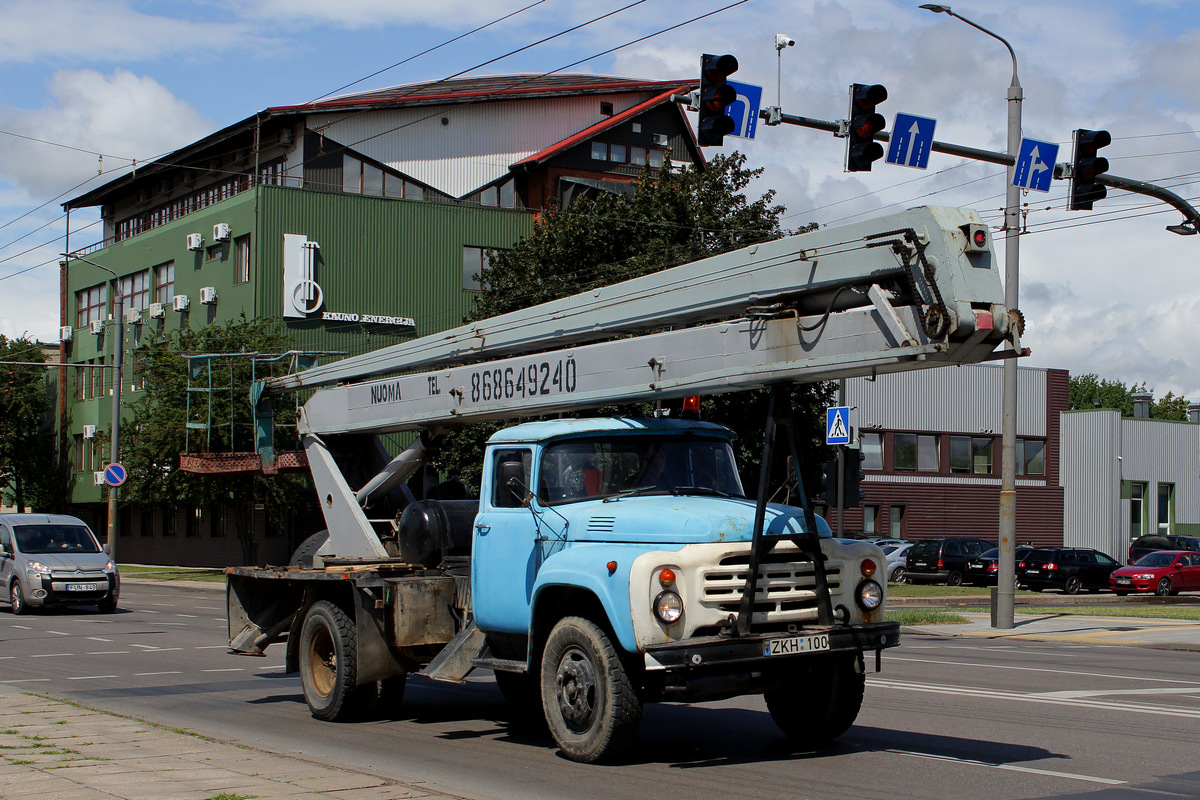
817, 706
592, 707
329, 663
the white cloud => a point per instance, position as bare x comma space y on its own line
123, 115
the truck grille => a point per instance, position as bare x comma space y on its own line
785, 589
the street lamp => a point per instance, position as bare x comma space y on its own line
118, 359
1002, 611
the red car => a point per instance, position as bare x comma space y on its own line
1163, 572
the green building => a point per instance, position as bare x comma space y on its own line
358, 221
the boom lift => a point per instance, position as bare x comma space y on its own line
588, 587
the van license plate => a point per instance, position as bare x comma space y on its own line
794, 645
83, 587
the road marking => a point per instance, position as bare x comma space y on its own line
90, 677
23, 627
228, 669
1103, 692
98, 639
58, 633
51, 655
28, 680
192, 616
213, 647
147, 674
107, 653
1038, 669
168, 605
1012, 768
1124, 707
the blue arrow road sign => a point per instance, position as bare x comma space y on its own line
912, 139
114, 474
837, 425
1035, 165
744, 110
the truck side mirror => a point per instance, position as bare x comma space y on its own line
510, 484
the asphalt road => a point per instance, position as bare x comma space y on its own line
947, 718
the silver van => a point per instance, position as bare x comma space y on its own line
55, 560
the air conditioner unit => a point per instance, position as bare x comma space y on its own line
221, 232
98, 478
208, 295
134, 316
195, 242
89, 431
97, 326
66, 333
179, 302
156, 311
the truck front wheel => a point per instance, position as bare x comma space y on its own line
817, 705
592, 707
329, 663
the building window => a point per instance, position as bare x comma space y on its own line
147, 526
915, 452
971, 454
872, 450
1137, 509
241, 261
870, 518
359, 177
606, 108
90, 304
170, 518
599, 151
638, 156
896, 518
215, 252
656, 158
475, 261
1166, 507
637, 127
1031, 457
193, 523
135, 290
164, 283
618, 153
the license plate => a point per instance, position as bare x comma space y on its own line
1122, 580
976, 565
796, 644
1033, 572
83, 587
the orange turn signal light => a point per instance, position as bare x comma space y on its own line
868, 567
666, 577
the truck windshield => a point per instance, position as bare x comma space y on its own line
592, 469
44, 539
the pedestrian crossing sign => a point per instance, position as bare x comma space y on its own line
837, 425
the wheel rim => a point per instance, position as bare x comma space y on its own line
954, 579
15, 596
1164, 587
1072, 585
898, 575
575, 686
322, 662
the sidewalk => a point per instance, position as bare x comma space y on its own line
1160, 634
60, 751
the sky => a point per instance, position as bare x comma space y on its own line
91, 88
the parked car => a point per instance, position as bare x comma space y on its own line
1157, 541
1067, 568
886, 542
944, 559
1163, 572
982, 571
55, 560
897, 555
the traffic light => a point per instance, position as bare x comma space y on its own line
1086, 166
861, 147
715, 97
852, 475
827, 491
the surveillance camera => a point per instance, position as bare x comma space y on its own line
782, 40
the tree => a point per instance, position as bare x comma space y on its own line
29, 473
671, 218
157, 432
1091, 391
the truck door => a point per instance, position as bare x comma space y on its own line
504, 552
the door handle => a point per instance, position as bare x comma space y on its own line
483, 528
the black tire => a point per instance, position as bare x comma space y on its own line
108, 606
592, 707
329, 664
306, 553
1073, 585
389, 694
955, 578
1120, 593
1164, 588
17, 599
899, 575
820, 702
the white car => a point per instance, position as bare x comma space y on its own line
896, 556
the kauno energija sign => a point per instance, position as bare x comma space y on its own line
303, 296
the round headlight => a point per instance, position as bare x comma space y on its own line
870, 595
668, 607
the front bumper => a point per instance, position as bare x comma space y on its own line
739, 653
53, 591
